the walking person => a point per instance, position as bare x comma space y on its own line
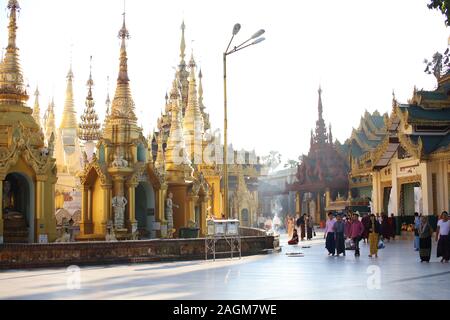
393, 225
374, 234
425, 233
416, 231
329, 235
385, 228
443, 246
356, 231
309, 226
339, 230
301, 225
366, 221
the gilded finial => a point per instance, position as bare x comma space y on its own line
89, 128
183, 42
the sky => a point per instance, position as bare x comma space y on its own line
359, 51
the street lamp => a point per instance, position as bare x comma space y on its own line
256, 39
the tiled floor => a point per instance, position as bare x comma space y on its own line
396, 274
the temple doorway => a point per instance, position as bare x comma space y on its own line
18, 209
145, 209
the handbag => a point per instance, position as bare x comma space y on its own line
349, 244
381, 244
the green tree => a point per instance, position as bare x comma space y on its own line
272, 160
443, 6
291, 164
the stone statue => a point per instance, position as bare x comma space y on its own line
119, 202
110, 235
119, 162
169, 213
65, 236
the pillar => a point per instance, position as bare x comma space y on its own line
85, 226
442, 186
377, 194
427, 188
327, 197
132, 223
203, 210
446, 186
40, 223
318, 208
298, 203
1, 210
106, 198
395, 190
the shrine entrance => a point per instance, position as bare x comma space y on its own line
145, 209
18, 209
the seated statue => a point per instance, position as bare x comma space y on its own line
119, 162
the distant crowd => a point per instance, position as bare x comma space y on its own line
345, 231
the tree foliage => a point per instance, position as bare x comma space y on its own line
272, 160
443, 6
291, 164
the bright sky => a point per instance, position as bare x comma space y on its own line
359, 51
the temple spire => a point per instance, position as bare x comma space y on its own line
36, 108
206, 122
50, 127
176, 157
321, 130
193, 124
69, 118
12, 89
123, 105
183, 44
89, 128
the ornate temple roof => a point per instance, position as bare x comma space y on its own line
367, 136
89, 128
324, 166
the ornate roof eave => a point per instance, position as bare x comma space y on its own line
414, 149
99, 168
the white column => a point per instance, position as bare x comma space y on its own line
395, 190
445, 185
427, 188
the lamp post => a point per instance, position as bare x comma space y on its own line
256, 39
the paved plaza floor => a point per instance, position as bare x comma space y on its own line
396, 274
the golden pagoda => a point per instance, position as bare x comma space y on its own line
70, 164
121, 187
89, 128
36, 108
27, 166
193, 155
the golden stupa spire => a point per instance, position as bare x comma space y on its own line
89, 128
177, 160
123, 105
69, 118
159, 162
193, 124
36, 108
183, 44
183, 74
12, 89
207, 124
50, 126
